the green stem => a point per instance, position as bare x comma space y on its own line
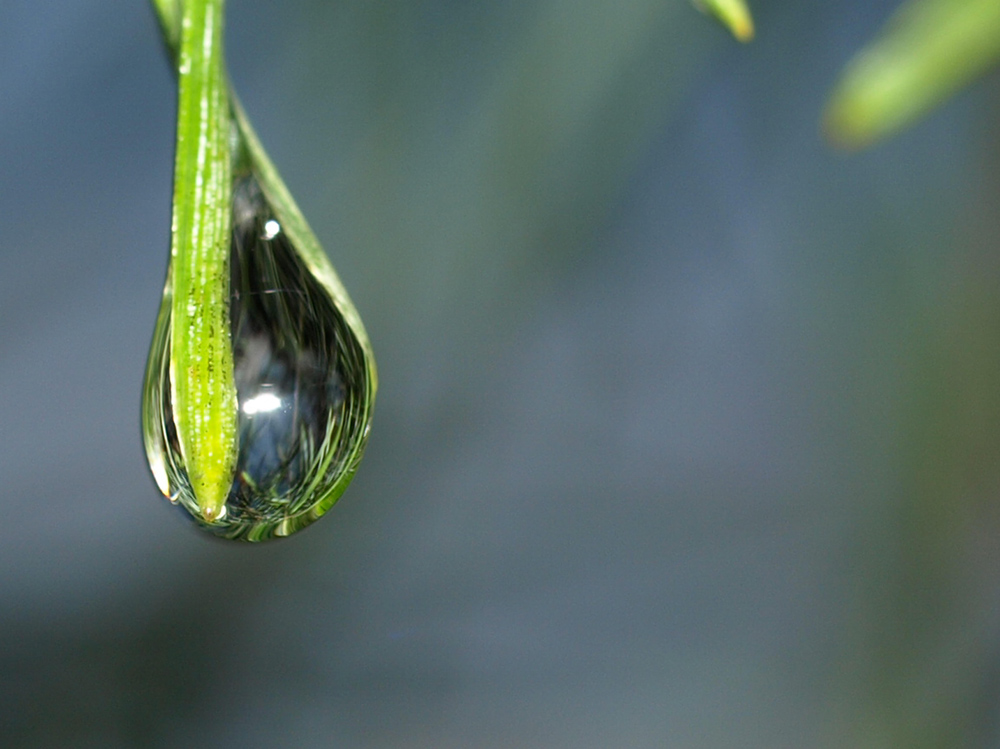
201, 355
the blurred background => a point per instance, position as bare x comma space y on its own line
688, 432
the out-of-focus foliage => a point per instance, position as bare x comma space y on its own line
928, 50
733, 14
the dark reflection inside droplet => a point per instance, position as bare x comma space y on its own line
295, 362
286, 352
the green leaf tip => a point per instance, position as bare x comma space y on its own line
733, 14
927, 51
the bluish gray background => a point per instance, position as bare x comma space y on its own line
689, 427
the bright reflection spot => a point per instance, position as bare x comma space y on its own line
271, 229
261, 403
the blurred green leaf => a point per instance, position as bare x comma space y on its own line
928, 50
733, 14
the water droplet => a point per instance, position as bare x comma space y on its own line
305, 385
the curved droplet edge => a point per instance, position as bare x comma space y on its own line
169, 476
151, 412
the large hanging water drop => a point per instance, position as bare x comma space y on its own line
260, 382
305, 383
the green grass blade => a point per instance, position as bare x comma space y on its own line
201, 356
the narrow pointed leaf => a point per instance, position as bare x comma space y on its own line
201, 358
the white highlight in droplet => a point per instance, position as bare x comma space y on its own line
271, 229
262, 403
